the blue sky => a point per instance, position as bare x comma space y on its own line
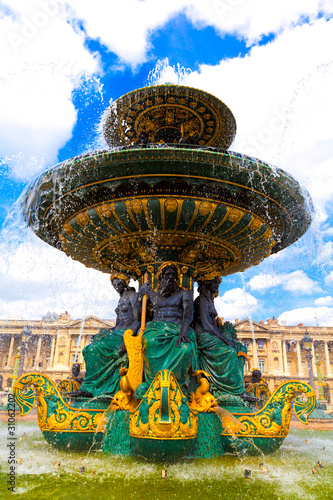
269, 61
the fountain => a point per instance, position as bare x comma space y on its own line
168, 201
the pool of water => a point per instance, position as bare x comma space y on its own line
288, 472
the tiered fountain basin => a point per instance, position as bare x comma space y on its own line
129, 209
168, 192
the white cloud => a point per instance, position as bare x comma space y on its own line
325, 252
236, 303
251, 19
328, 231
329, 279
295, 282
324, 301
264, 281
124, 27
310, 316
42, 60
298, 282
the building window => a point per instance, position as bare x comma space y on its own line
246, 366
47, 362
262, 365
260, 345
289, 367
246, 343
76, 340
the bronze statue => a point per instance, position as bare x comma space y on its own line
76, 372
255, 376
258, 387
168, 341
217, 354
106, 353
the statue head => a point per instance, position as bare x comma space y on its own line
168, 277
119, 282
76, 367
211, 285
255, 376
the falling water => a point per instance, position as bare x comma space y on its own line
79, 340
255, 357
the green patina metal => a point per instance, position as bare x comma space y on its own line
251, 445
208, 443
161, 449
117, 440
74, 441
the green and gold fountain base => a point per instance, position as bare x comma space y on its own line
164, 425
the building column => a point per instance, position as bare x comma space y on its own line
53, 346
68, 361
255, 359
327, 359
299, 358
284, 352
39, 345
10, 353
270, 368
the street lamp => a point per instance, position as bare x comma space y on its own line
26, 334
307, 344
322, 401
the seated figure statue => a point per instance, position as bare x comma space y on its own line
168, 342
106, 353
217, 354
76, 373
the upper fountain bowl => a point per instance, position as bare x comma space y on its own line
169, 114
170, 192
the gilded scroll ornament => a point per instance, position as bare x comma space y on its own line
163, 412
68, 385
274, 418
53, 413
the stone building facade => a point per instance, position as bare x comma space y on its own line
52, 347
277, 350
